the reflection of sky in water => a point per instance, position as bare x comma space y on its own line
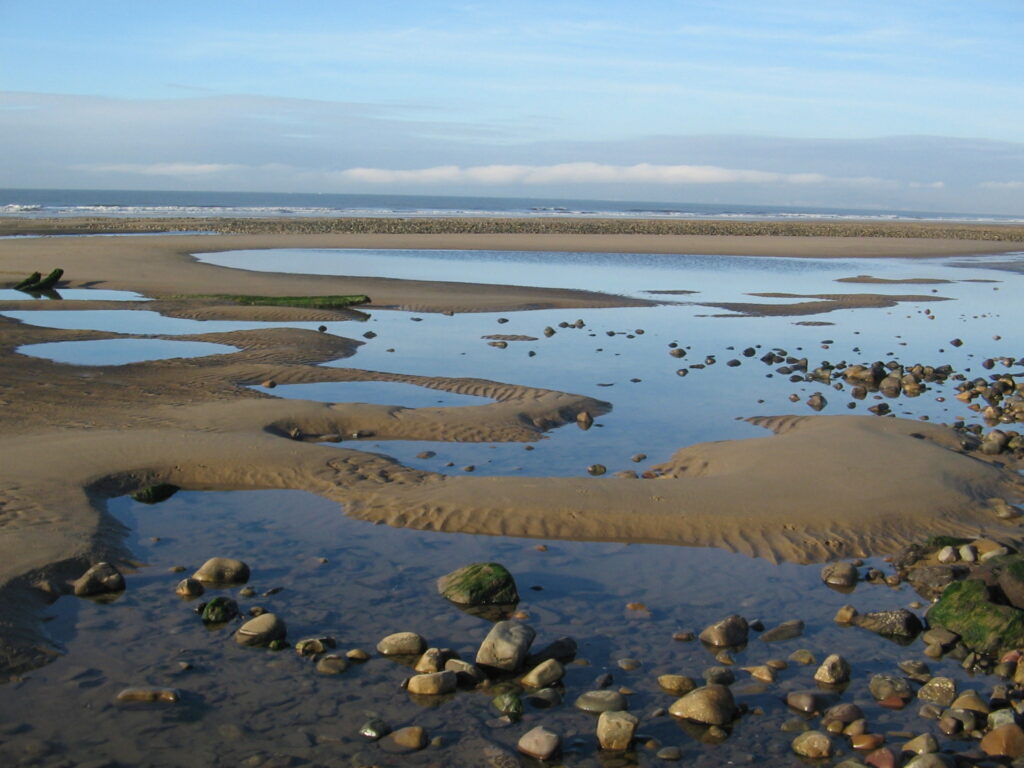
662, 411
120, 351
375, 392
73, 294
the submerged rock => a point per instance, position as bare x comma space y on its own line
100, 579
615, 730
263, 630
479, 584
732, 630
712, 705
219, 610
898, 623
505, 646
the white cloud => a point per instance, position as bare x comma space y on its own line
1003, 185
591, 173
927, 185
159, 169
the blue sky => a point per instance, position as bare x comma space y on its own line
780, 102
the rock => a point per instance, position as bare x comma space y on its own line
433, 660
508, 704
357, 654
409, 739
930, 580
219, 610
596, 469
931, 760
762, 672
845, 615
938, 690
154, 494
615, 730
844, 714
966, 608
479, 584
545, 698
881, 758
676, 684
223, 571
810, 702
100, 579
544, 674
189, 588
401, 644
787, 630
719, 675
802, 656
1004, 741
813, 744
263, 630
539, 743
149, 695
374, 729
730, 631
311, 646
331, 665
505, 646
884, 687
941, 637
915, 670
601, 701
835, 670
712, 705
895, 623
866, 741
970, 701
432, 684
563, 649
669, 754
922, 745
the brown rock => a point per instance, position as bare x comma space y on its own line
712, 705
432, 684
615, 730
1004, 741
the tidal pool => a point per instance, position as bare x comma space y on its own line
72, 294
121, 351
375, 392
324, 573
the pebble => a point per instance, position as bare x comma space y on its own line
166, 695
101, 578
311, 646
676, 684
628, 664
544, 674
712, 705
730, 631
506, 646
190, 588
222, 570
601, 701
813, 744
331, 665
835, 670
842, 574
539, 743
1004, 741
802, 656
669, 754
615, 730
432, 684
357, 654
262, 630
787, 630
938, 690
401, 644
409, 739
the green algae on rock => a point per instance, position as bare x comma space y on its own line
966, 608
154, 494
479, 584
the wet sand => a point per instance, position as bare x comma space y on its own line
74, 436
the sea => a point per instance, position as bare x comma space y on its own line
72, 203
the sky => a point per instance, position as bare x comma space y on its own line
916, 105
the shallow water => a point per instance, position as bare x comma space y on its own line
238, 703
72, 294
375, 392
242, 705
121, 351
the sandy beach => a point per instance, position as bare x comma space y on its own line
74, 436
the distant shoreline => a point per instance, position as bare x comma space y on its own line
997, 235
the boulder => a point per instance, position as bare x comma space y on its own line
898, 623
479, 584
401, 644
263, 630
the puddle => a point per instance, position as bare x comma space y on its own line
72, 294
121, 351
138, 321
373, 392
632, 274
243, 706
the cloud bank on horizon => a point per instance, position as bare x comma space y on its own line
917, 105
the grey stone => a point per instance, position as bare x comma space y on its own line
544, 674
222, 570
787, 630
539, 743
813, 744
505, 646
101, 578
711, 705
263, 630
938, 690
615, 730
841, 574
401, 644
601, 701
834, 670
732, 630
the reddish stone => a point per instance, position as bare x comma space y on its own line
881, 758
893, 702
866, 741
1006, 740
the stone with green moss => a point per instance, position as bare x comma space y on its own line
938, 542
219, 610
479, 584
966, 608
154, 494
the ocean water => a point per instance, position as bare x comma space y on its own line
65, 203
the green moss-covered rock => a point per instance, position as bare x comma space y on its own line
154, 494
938, 542
479, 584
219, 610
965, 607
